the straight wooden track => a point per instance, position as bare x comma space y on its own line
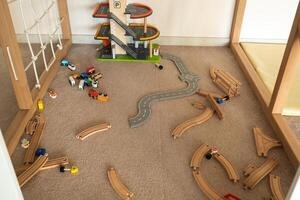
259, 173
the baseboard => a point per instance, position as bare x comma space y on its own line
163, 40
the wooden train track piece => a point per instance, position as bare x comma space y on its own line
93, 130
32, 170
203, 117
199, 105
32, 124
231, 171
225, 81
35, 141
205, 187
51, 163
215, 106
117, 185
264, 143
275, 186
205, 94
249, 169
198, 156
259, 173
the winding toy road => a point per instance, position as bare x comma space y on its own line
144, 105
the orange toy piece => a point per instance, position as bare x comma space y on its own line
103, 97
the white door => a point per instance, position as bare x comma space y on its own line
9, 185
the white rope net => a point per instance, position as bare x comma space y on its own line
40, 18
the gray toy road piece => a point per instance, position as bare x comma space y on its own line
144, 105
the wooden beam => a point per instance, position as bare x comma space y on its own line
17, 126
279, 124
255, 81
64, 16
290, 61
13, 58
237, 21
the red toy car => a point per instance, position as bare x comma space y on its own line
90, 70
93, 93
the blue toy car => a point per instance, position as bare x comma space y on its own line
84, 75
65, 62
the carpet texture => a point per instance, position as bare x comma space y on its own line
149, 161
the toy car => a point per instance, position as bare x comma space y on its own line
71, 67
96, 76
103, 97
65, 62
95, 84
90, 70
52, 93
93, 93
76, 76
88, 82
81, 85
84, 75
71, 81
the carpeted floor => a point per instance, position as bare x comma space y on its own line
149, 161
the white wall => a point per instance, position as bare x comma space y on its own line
9, 186
268, 20
192, 21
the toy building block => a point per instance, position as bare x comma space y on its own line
117, 185
264, 143
259, 173
275, 186
225, 81
93, 130
35, 140
32, 170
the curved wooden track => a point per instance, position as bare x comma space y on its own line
205, 187
264, 143
117, 185
51, 163
231, 171
93, 130
181, 128
275, 186
198, 156
259, 173
32, 125
35, 140
32, 170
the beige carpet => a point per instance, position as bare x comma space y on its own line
150, 162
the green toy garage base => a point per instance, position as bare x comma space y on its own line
127, 58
